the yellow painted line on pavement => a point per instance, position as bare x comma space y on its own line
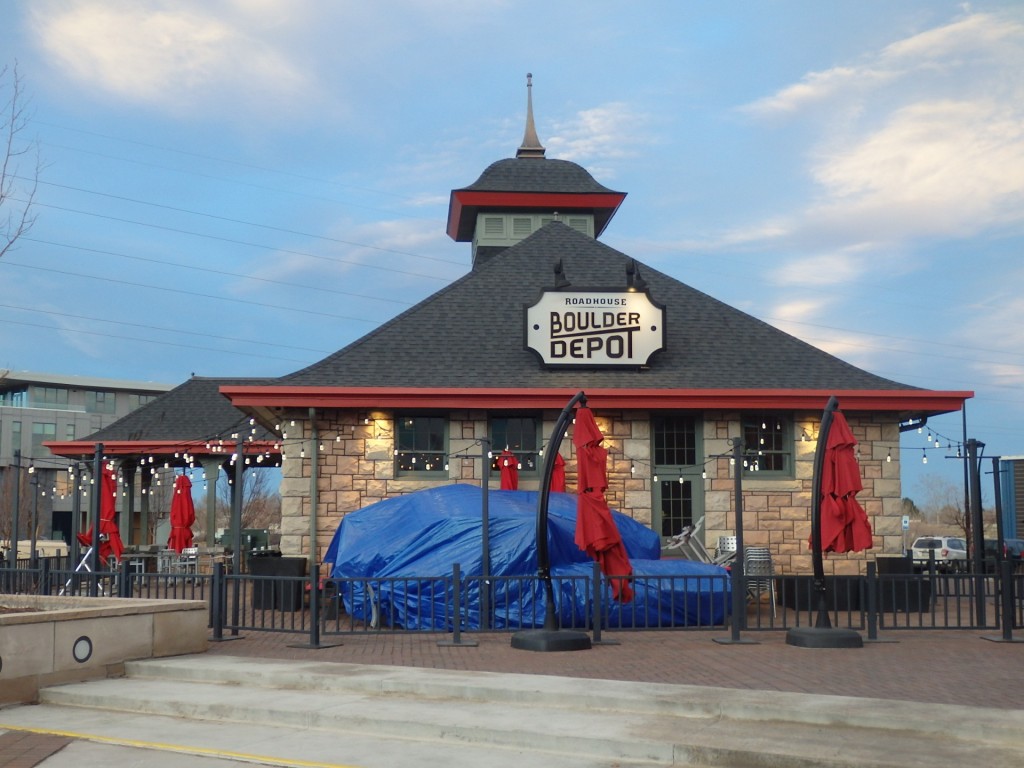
179, 748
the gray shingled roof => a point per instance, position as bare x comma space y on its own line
470, 334
195, 410
537, 175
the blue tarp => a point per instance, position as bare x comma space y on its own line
410, 543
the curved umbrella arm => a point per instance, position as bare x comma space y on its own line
543, 556
816, 553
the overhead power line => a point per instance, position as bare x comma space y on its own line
108, 279
261, 246
203, 334
228, 219
218, 350
192, 267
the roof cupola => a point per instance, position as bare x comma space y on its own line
515, 197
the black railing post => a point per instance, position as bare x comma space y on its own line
314, 608
457, 607
217, 601
871, 587
457, 611
126, 580
238, 466
94, 515
977, 529
736, 573
1007, 595
44, 577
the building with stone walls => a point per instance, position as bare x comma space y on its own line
672, 375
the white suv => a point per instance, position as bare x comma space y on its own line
950, 553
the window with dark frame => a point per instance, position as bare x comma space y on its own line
421, 444
768, 443
520, 434
97, 401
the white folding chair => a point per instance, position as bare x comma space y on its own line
688, 543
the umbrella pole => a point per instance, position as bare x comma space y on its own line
551, 638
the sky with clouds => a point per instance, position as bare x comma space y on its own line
241, 187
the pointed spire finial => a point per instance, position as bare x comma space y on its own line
531, 146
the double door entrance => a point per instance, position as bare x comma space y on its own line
676, 472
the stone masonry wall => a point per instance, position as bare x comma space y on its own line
357, 469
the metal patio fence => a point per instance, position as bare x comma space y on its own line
318, 609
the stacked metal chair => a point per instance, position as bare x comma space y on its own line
760, 573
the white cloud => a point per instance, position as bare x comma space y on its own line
949, 167
173, 56
821, 270
923, 138
594, 136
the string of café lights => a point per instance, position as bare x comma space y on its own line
218, 445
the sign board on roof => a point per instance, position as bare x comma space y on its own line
595, 328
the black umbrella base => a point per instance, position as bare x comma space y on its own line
823, 637
551, 640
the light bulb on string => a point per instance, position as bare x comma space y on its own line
888, 457
924, 457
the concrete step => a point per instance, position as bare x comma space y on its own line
280, 710
686, 701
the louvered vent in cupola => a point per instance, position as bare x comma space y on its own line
580, 224
521, 226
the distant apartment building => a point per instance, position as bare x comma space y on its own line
37, 408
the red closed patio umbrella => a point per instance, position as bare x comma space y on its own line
838, 524
844, 523
110, 536
508, 466
596, 532
183, 515
558, 475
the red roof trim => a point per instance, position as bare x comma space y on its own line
76, 448
471, 199
917, 400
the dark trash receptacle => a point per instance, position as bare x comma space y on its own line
283, 594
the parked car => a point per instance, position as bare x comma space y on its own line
950, 553
1013, 550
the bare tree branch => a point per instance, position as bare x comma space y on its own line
17, 191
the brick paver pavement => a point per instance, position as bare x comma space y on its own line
20, 749
950, 667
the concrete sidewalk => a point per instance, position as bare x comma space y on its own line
925, 667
